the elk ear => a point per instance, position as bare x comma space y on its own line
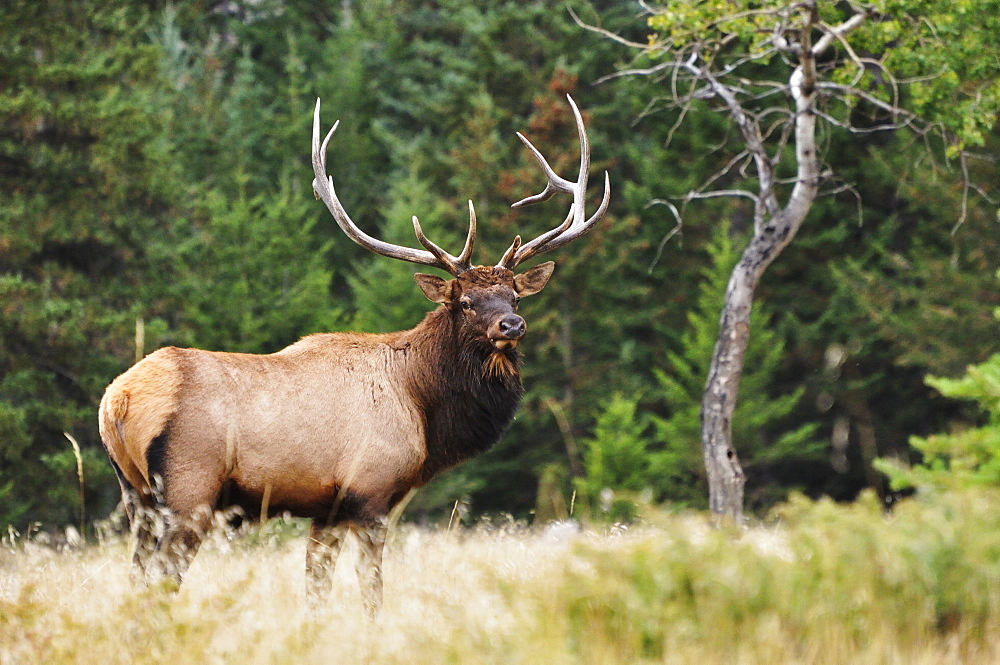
435, 288
532, 281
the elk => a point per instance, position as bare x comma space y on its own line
337, 427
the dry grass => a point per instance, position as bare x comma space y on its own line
821, 584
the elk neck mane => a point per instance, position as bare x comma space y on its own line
467, 393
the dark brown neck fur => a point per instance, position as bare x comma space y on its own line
466, 406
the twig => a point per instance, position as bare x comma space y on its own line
454, 511
79, 474
677, 228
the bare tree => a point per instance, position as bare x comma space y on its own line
731, 61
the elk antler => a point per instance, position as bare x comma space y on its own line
574, 225
434, 256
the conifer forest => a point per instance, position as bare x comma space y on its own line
155, 190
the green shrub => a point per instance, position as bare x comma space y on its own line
968, 457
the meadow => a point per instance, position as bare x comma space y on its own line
815, 582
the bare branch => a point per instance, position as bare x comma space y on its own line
647, 71
674, 231
721, 193
605, 33
838, 32
870, 98
739, 157
751, 134
854, 129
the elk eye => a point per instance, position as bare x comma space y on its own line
517, 300
467, 304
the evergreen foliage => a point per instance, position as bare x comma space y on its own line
617, 460
85, 180
155, 190
967, 457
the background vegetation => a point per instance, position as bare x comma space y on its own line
155, 190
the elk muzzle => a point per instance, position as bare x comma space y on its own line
507, 331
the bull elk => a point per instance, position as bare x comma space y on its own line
337, 427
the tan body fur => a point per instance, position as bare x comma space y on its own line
248, 424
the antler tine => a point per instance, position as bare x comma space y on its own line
455, 265
574, 225
465, 258
324, 190
508, 256
555, 183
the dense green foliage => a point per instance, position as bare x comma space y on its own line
155, 189
968, 457
939, 54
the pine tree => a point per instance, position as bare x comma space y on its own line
968, 456
87, 188
617, 460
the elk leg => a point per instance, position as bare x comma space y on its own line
322, 550
140, 511
179, 543
141, 519
371, 542
185, 493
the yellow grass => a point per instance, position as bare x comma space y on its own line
818, 584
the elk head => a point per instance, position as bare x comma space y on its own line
483, 301
483, 298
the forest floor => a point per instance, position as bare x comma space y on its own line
814, 583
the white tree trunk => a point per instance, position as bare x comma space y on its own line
773, 229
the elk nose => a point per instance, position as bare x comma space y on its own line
512, 326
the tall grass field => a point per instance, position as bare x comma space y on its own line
814, 583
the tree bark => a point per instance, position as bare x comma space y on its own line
774, 228
725, 475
